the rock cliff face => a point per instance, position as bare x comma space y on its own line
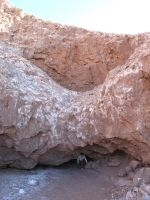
66, 90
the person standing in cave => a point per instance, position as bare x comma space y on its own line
81, 160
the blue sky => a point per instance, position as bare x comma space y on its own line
118, 16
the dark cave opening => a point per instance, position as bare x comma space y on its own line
102, 159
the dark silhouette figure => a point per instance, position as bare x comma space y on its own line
81, 160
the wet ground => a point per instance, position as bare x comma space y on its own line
67, 182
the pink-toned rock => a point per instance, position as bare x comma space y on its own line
75, 58
41, 121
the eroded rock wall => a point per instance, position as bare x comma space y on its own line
99, 103
42, 122
76, 58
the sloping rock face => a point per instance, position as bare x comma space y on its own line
75, 58
91, 95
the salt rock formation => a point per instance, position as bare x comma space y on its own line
91, 95
75, 58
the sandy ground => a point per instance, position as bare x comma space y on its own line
67, 182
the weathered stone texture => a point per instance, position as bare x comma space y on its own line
94, 96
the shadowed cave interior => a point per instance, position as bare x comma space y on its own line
102, 160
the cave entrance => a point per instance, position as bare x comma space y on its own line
115, 159
73, 163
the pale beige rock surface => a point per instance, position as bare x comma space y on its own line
100, 103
